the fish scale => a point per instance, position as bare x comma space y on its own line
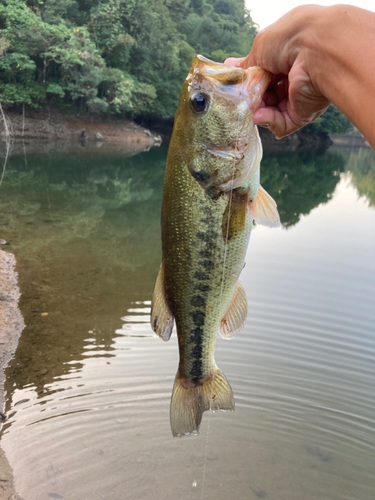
197, 297
211, 192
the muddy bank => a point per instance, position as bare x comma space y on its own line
349, 140
39, 124
11, 326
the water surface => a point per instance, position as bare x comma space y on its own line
89, 387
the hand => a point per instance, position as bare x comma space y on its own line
293, 98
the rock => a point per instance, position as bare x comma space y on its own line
99, 136
157, 140
147, 132
3, 242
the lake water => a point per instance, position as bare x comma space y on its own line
89, 387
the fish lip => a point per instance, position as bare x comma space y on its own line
258, 82
252, 164
236, 152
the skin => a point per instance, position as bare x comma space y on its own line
318, 56
206, 152
211, 184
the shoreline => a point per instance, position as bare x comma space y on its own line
40, 125
11, 326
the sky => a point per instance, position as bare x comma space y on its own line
265, 12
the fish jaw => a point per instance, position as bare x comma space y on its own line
249, 84
250, 165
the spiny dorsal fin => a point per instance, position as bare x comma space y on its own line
235, 317
264, 211
161, 317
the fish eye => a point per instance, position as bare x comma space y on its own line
199, 103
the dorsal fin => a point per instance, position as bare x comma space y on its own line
235, 317
264, 210
161, 317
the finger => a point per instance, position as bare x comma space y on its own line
247, 62
278, 122
234, 61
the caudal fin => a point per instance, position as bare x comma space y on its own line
188, 404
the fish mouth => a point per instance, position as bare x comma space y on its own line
257, 83
236, 153
240, 84
253, 153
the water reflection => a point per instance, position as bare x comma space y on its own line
90, 384
361, 164
87, 244
300, 180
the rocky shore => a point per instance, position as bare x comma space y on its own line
39, 124
11, 326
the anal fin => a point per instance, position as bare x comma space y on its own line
264, 210
235, 317
162, 319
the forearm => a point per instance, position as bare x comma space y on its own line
340, 57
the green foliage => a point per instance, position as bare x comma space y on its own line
219, 28
30, 93
119, 56
54, 88
331, 122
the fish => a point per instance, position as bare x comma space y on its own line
211, 196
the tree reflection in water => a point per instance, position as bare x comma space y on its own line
85, 228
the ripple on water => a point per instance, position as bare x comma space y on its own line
302, 372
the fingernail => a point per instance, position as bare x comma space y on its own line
264, 125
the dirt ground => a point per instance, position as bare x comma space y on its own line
60, 126
11, 326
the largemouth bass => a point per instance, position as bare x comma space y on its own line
211, 196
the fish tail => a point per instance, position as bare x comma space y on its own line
189, 403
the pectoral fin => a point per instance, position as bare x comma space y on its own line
235, 317
161, 317
264, 210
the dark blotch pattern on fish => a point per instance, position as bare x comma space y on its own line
201, 176
197, 351
196, 371
201, 276
207, 237
196, 335
209, 265
202, 287
206, 241
198, 301
198, 317
206, 254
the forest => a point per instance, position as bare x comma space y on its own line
124, 57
